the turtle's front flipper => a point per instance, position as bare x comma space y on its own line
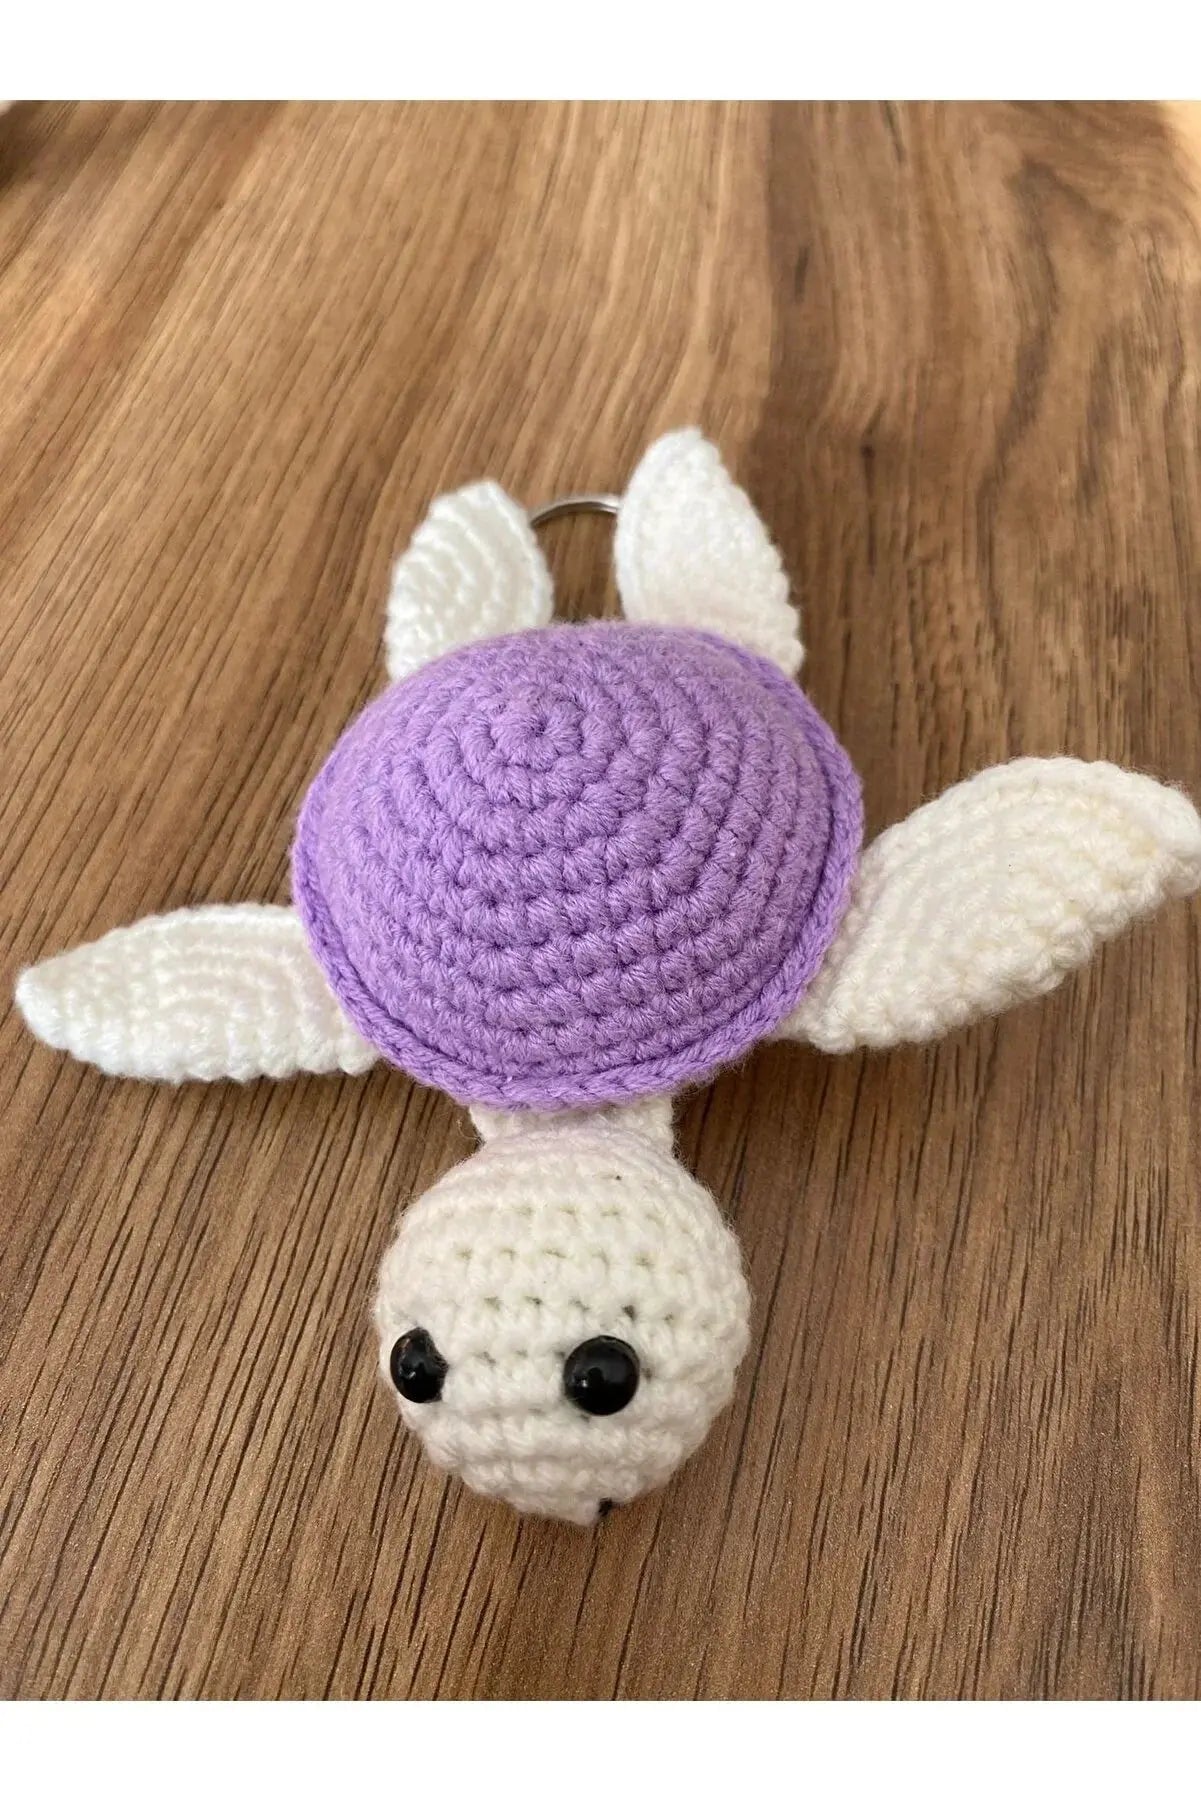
195, 995
990, 894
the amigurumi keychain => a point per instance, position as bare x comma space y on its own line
561, 872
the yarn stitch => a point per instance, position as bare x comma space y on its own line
578, 865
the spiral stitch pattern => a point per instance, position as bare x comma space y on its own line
577, 865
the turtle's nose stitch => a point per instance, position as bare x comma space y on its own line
604, 1507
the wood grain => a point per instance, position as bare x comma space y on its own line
954, 351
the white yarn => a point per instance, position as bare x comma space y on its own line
557, 1231
195, 995
473, 570
990, 894
650, 1117
691, 550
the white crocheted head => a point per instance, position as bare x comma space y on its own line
568, 1312
564, 1314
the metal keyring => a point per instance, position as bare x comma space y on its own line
574, 503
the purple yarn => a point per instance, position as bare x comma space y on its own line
579, 864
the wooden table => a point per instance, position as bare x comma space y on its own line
954, 352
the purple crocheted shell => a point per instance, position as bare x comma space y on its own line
579, 864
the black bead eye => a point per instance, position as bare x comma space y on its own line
601, 1375
416, 1366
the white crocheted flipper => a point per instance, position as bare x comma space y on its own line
193, 996
473, 570
990, 894
691, 550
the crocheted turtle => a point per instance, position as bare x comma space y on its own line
560, 872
